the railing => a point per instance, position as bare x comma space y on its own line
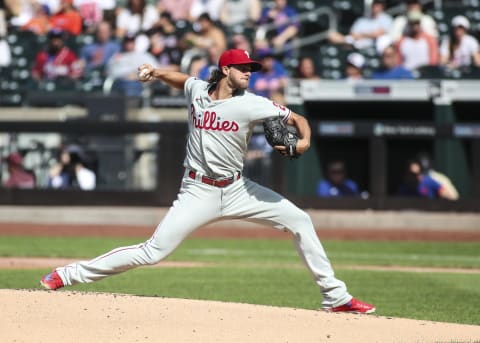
310, 16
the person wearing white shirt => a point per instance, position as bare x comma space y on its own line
400, 23
366, 30
5, 53
460, 49
417, 48
135, 18
86, 179
122, 67
212, 7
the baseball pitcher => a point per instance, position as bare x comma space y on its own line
221, 117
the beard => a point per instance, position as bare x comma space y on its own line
239, 84
53, 49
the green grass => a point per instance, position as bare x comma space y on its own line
270, 273
423, 254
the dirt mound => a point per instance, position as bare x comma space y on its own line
42, 316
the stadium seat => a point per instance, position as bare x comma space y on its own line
93, 80
470, 73
431, 72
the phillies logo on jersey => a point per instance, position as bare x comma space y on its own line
210, 121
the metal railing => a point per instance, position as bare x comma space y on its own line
305, 16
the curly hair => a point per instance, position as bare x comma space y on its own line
215, 76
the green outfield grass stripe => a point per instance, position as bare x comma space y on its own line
356, 255
422, 254
406, 256
239, 252
408, 269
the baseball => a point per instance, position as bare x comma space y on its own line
144, 74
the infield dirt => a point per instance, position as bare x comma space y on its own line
45, 316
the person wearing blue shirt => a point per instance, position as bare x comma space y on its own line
271, 80
97, 54
286, 27
391, 69
418, 183
337, 184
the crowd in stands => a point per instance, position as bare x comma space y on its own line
73, 168
164, 32
409, 42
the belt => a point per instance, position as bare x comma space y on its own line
223, 182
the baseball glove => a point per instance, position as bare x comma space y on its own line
277, 133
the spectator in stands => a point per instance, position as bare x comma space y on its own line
400, 23
19, 12
450, 192
271, 80
211, 7
5, 52
164, 39
67, 18
53, 5
417, 48
354, 66
391, 69
40, 22
122, 67
71, 170
461, 49
336, 183
240, 12
197, 63
60, 174
306, 69
179, 9
96, 55
19, 176
208, 35
91, 12
210, 64
285, 28
366, 30
137, 17
258, 161
3, 20
419, 184
109, 8
240, 41
57, 60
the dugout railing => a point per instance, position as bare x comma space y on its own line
170, 147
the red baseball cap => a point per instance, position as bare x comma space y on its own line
238, 56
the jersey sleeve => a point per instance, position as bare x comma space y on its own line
192, 85
261, 108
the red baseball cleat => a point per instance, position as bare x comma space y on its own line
353, 306
51, 281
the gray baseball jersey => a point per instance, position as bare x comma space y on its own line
220, 129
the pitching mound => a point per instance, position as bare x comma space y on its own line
42, 316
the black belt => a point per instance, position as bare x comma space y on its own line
223, 182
